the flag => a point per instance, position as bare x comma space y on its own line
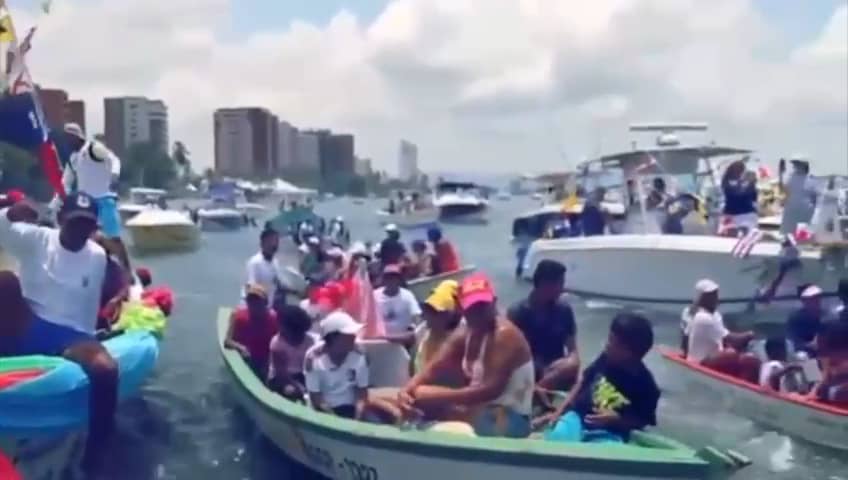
746, 243
22, 121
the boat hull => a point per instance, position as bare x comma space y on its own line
343, 449
461, 213
417, 218
161, 238
614, 268
421, 287
813, 422
220, 223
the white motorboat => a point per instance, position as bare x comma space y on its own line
220, 218
461, 202
647, 269
140, 199
155, 229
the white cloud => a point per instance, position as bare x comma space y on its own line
503, 82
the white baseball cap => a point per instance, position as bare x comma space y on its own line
706, 286
340, 322
335, 252
811, 291
313, 241
391, 227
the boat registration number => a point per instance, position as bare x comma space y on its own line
339, 468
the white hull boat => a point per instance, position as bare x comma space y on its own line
461, 202
163, 230
220, 219
415, 218
658, 272
140, 200
812, 421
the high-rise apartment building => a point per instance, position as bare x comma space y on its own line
308, 152
59, 110
132, 120
407, 161
246, 142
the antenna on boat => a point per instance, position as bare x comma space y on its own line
667, 137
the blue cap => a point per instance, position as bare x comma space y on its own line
78, 205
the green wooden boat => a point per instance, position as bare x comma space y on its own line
344, 449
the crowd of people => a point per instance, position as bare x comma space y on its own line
811, 359
499, 372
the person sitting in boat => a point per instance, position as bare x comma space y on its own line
711, 344
739, 187
397, 305
777, 373
336, 373
442, 316
805, 323
446, 258
288, 351
547, 322
261, 269
251, 329
94, 169
421, 262
392, 250
832, 345
62, 273
616, 393
497, 365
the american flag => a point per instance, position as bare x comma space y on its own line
746, 243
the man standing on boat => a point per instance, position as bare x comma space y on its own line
93, 169
392, 250
262, 268
800, 195
547, 322
62, 273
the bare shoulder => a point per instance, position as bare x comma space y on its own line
508, 336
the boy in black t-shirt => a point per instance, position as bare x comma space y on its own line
615, 394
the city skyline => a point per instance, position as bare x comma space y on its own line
562, 84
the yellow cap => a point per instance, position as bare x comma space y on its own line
443, 297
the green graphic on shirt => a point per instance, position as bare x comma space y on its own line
606, 397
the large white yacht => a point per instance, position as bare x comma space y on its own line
645, 268
461, 202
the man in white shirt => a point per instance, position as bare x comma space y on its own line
710, 343
262, 268
93, 169
397, 305
61, 274
336, 373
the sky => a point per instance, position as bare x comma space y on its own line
479, 85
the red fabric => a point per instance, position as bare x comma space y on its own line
8, 379
15, 195
50, 163
255, 336
361, 306
7, 469
161, 297
447, 257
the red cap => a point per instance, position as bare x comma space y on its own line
476, 288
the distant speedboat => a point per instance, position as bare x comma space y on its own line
220, 219
504, 196
140, 199
461, 202
160, 230
412, 219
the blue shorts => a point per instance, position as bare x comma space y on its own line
569, 428
45, 338
108, 216
499, 421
